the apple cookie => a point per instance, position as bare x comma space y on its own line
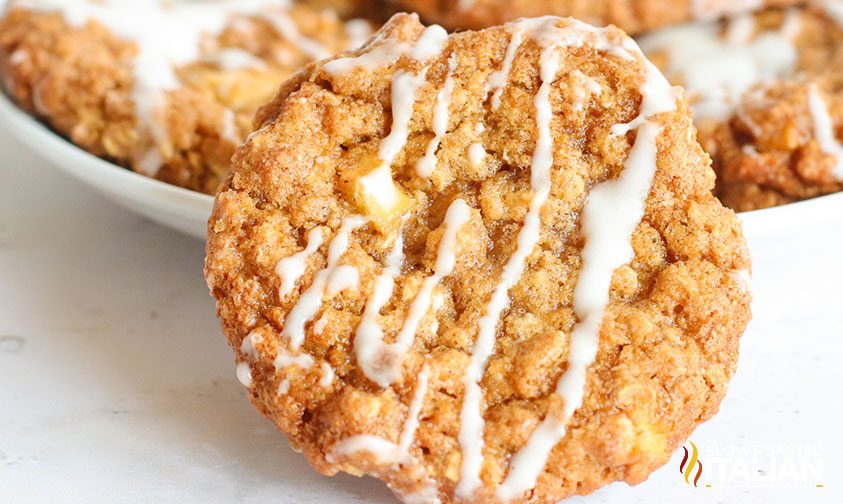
484, 267
167, 89
766, 96
634, 16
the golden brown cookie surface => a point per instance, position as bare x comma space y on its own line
171, 101
485, 266
766, 95
633, 16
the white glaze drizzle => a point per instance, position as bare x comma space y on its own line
244, 374
476, 154
824, 130
438, 301
233, 58
384, 450
358, 32
833, 9
381, 362
744, 279
405, 86
426, 165
387, 51
327, 375
291, 268
344, 277
284, 360
712, 9
584, 88
320, 324
229, 127
717, 70
464, 5
311, 300
284, 386
249, 345
284, 25
612, 211
498, 79
471, 417
18, 57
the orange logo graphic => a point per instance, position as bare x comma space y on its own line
686, 468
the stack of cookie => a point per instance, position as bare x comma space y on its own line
483, 266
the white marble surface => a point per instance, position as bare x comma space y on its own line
116, 384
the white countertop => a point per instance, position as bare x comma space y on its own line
116, 384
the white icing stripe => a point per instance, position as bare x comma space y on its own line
229, 127
244, 374
284, 386
249, 345
405, 87
285, 360
832, 8
464, 5
368, 338
358, 32
286, 27
718, 70
471, 416
290, 269
498, 79
476, 154
311, 299
327, 375
387, 51
586, 87
403, 93
174, 41
824, 130
385, 451
319, 325
612, 212
744, 279
233, 59
344, 277
426, 165
711, 9
19, 56
381, 362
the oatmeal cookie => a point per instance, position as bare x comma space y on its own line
482, 267
634, 16
166, 89
767, 95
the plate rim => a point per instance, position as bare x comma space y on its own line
23, 125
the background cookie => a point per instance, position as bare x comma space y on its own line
766, 93
167, 91
634, 16
426, 244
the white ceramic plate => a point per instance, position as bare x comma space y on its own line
181, 209
187, 211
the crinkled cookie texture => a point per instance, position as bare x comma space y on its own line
481, 267
167, 89
634, 16
767, 96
